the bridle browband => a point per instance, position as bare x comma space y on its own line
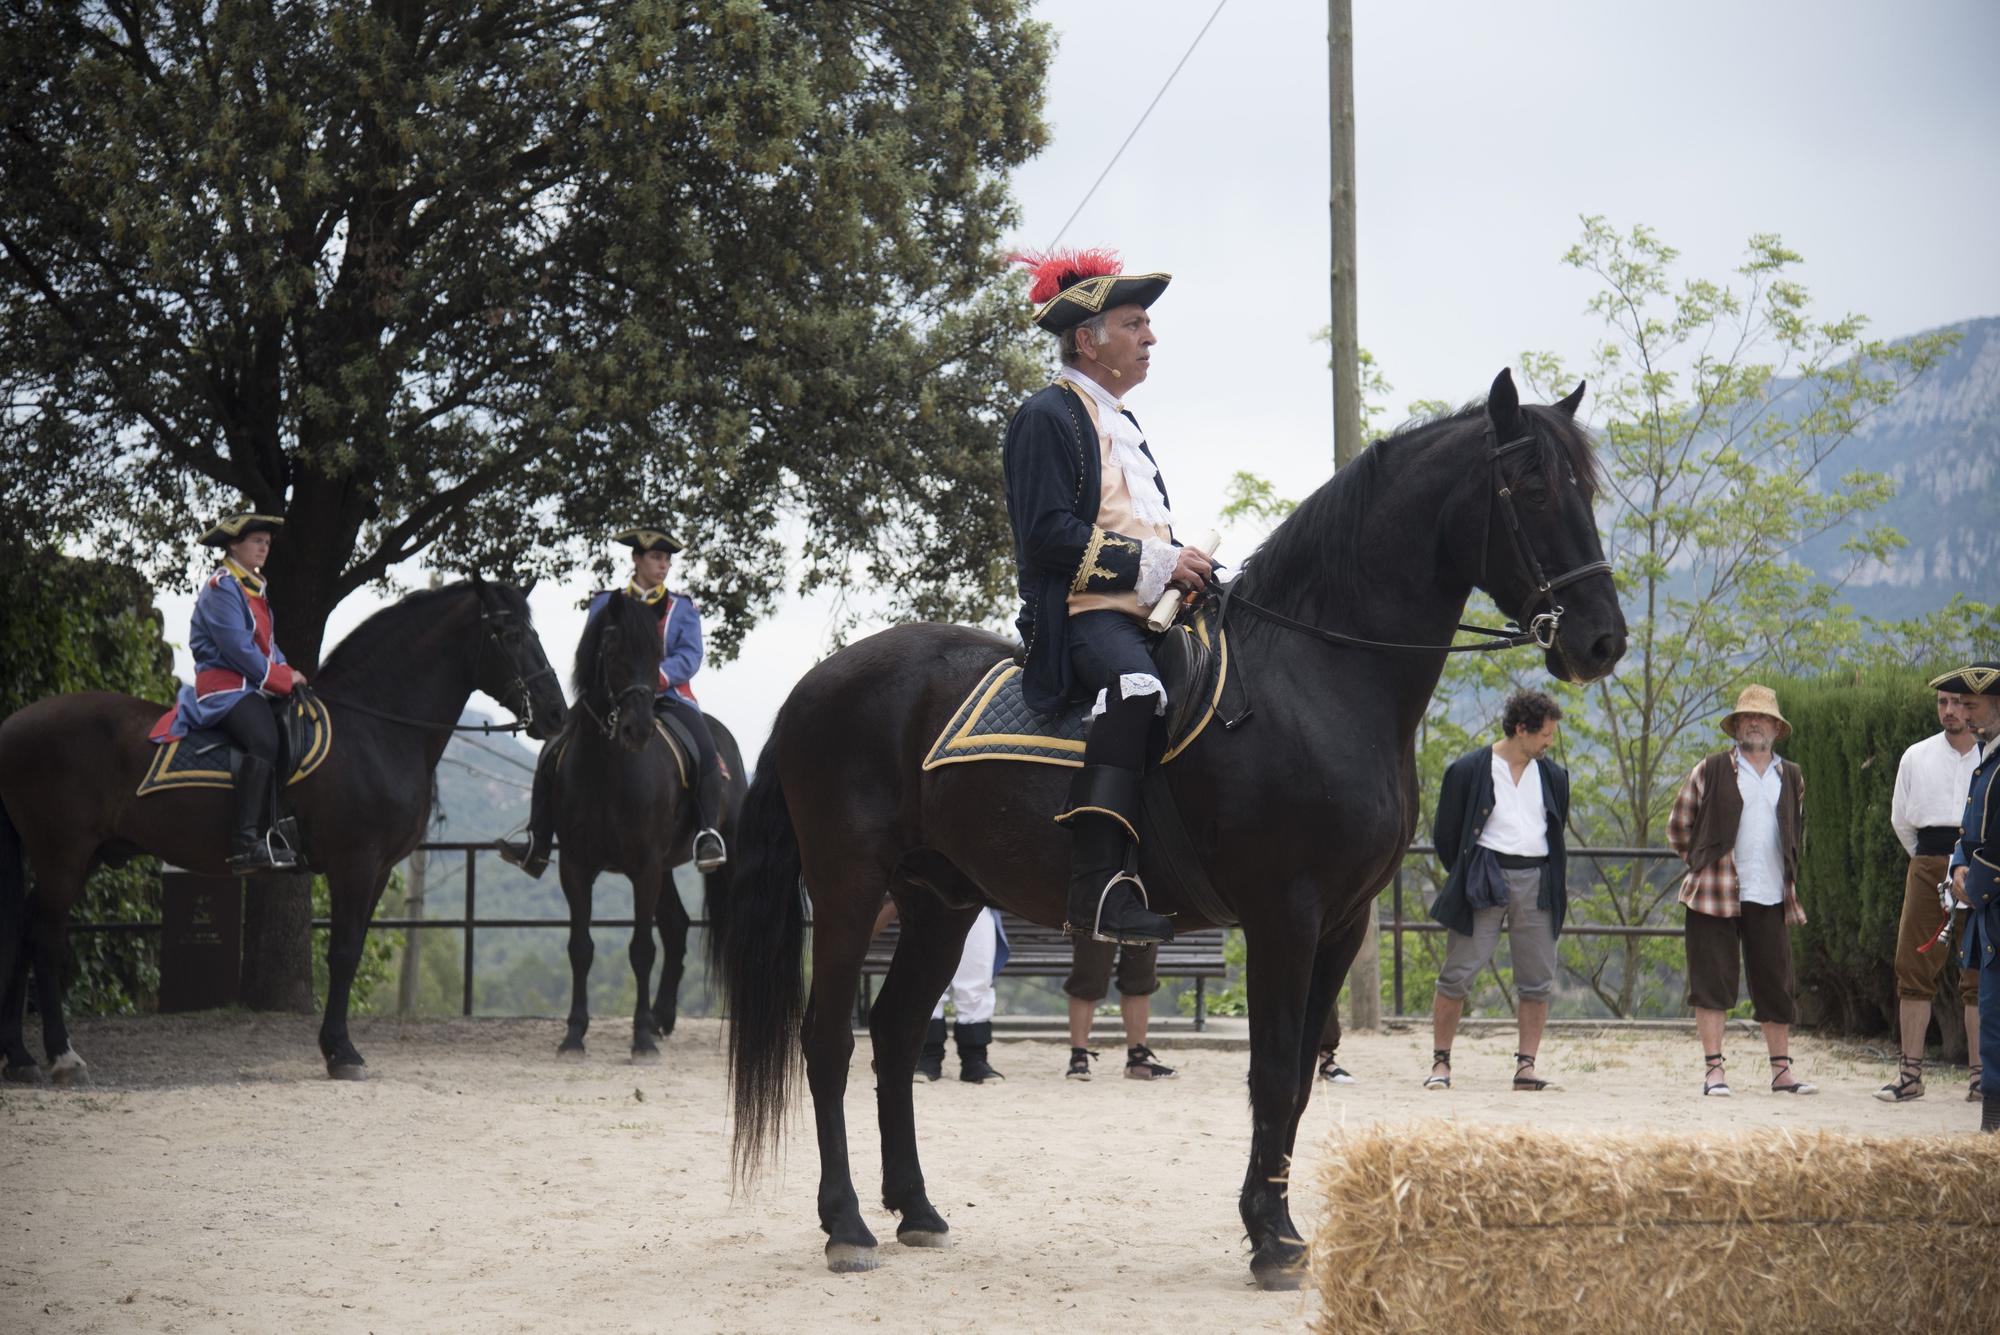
519, 696
1542, 626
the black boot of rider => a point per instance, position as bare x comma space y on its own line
531, 855
1107, 901
710, 853
1989, 1112
930, 1061
251, 848
973, 1040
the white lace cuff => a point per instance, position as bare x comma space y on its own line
1136, 683
1156, 567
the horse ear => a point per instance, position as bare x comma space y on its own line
1503, 406
528, 585
1570, 402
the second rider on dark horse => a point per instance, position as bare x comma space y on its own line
653, 551
1095, 545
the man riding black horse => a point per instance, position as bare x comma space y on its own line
653, 551
1094, 541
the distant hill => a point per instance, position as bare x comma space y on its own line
1940, 442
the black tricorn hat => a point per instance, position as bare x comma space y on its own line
237, 527
1981, 678
1071, 286
649, 540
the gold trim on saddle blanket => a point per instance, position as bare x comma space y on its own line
961, 741
159, 779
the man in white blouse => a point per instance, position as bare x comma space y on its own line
1499, 834
1929, 800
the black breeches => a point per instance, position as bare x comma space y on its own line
1107, 650
251, 725
689, 714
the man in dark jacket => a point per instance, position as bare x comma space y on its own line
1499, 833
1975, 870
1094, 542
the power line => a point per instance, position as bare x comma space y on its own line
497, 753
487, 774
1142, 120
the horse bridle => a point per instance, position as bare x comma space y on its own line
1542, 626
608, 725
520, 696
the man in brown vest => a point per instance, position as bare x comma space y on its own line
1738, 823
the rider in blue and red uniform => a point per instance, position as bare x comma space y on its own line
240, 675
653, 551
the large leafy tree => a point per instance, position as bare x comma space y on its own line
481, 278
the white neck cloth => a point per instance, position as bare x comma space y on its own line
1127, 442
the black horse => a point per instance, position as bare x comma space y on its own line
1298, 816
623, 805
394, 689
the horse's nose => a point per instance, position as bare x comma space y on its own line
1606, 650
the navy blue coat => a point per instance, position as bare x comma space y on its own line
1978, 852
1465, 800
1054, 484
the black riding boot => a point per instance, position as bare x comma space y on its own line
710, 853
930, 1061
1989, 1112
973, 1040
251, 847
531, 855
1107, 901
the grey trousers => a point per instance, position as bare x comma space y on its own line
1530, 939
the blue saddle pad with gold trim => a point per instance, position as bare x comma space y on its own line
205, 758
993, 722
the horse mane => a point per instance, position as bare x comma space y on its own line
631, 616
1319, 543
388, 630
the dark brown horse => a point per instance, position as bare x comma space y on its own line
394, 688
1297, 816
625, 806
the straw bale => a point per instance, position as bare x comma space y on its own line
1445, 1226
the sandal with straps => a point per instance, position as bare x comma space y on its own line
1972, 1094
1720, 1089
1783, 1068
1526, 1062
1439, 1057
1908, 1084
1330, 1068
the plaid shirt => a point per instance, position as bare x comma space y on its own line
1713, 889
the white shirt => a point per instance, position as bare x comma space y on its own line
1931, 785
1760, 862
1518, 824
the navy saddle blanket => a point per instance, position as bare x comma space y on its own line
206, 758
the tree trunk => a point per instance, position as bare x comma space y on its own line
277, 944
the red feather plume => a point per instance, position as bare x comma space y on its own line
1057, 269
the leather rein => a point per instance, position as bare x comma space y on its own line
1542, 627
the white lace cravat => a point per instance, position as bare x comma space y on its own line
1127, 442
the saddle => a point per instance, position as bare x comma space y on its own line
679, 741
207, 758
993, 722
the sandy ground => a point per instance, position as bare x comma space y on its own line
210, 1178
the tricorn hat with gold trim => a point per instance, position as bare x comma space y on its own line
1071, 286
1972, 679
642, 540
235, 528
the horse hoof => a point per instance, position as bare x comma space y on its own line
663, 1025
645, 1054
571, 1047
923, 1237
845, 1258
1282, 1273
23, 1073
68, 1070
346, 1071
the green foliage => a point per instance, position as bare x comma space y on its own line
1229, 996
1849, 732
69, 625
487, 280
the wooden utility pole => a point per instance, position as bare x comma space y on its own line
1364, 992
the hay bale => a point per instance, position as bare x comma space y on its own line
1444, 1226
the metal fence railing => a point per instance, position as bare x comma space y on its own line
468, 923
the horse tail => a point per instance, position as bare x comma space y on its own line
757, 944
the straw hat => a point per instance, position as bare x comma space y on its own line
1756, 700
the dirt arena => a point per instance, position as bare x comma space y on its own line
210, 1178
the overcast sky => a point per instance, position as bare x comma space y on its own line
1864, 133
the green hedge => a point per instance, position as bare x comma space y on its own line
70, 625
1848, 737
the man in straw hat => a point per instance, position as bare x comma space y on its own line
1095, 548
1929, 800
1738, 823
1975, 868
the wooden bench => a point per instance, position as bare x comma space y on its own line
1035, 951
